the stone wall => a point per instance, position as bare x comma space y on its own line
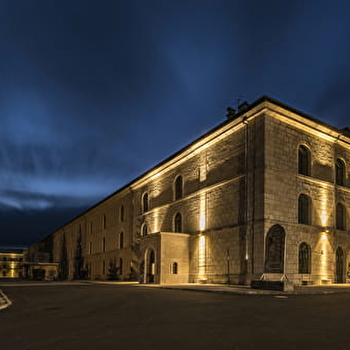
283, 185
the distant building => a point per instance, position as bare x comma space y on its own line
11, 260
265, 194
39, 264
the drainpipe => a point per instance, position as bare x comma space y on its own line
335, 200
247, 194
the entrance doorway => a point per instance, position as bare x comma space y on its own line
339, 265
150, 266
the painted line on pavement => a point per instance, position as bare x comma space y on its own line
7, 303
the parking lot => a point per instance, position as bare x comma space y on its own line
91, 316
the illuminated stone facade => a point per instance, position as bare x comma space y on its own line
11, 260
264, 194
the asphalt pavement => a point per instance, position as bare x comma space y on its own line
132, 316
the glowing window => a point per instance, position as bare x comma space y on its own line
304, 258
340, 172
340, 217
178, 188
304, 161
304, 210
178, 223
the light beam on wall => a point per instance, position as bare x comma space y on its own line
201, 258
156, 227
324, 249
324, 207
202, 212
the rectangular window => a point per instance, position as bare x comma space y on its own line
90, 248
104, 223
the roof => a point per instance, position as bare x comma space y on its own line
12, 250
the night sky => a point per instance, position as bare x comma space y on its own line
93, 93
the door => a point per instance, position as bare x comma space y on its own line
150, 269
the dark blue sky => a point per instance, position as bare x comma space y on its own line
93, 93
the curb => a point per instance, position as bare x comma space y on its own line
5, 302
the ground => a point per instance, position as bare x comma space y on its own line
90, 316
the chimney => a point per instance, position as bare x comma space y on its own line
346, 131
231, 113
243, 107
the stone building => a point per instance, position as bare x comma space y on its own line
265, 194
11, 259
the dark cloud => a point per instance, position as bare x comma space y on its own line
94, 93
23, 228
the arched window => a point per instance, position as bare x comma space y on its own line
178, 188
120, 266
304, 258
274, 250
144, 229
340, 172
304, 210
304, 160
178, 223
175, 268
121, 240
122, 213
340, 217
145, 202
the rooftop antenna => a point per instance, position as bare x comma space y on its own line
239, 100
241, 106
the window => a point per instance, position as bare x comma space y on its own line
90, 226
178, 188
104, 221
120, 266
304, 161
274, 250
178, 223
340, 217
104, 244
304, 206
144, 229
145, 202
122, 213
175, 268
340, 172
103, 267
304, 258
90, 248
121, 240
